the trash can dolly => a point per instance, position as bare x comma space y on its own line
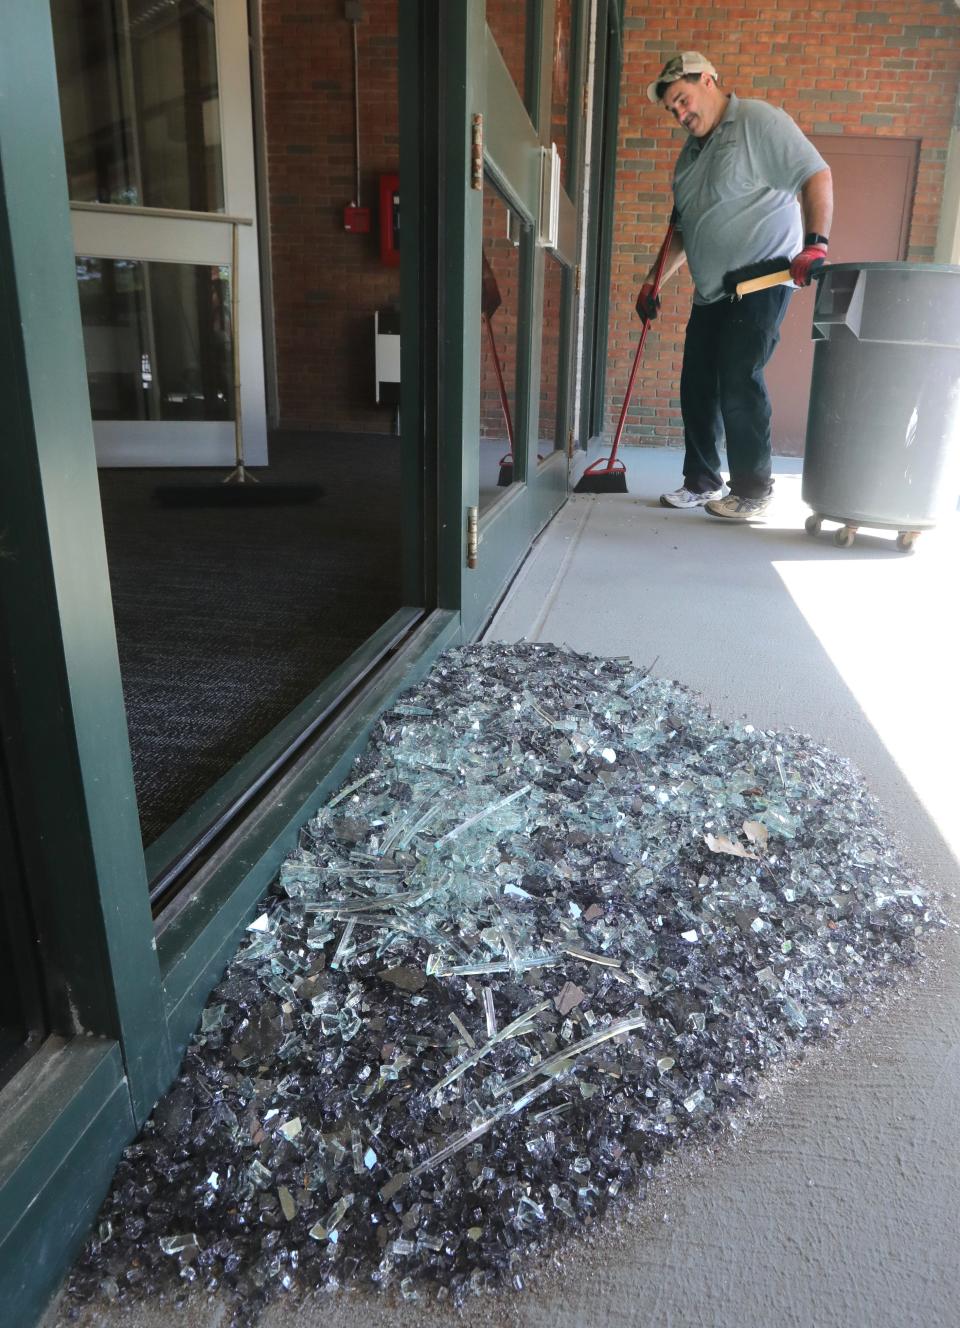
847, 532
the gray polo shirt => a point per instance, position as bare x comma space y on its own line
736, 192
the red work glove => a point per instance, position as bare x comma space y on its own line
648, 304
807, 263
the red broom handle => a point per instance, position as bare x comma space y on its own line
657, 279
503, 390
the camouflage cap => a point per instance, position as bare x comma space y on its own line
687, 62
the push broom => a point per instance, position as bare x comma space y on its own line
609, 474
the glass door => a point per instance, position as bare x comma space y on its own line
525, 226
158, 135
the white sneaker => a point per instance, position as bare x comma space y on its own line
738, 509
683, 497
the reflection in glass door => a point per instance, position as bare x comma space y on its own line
140, 103
155, 107
560, 82
508, 24
553, 360
500, 307
556, 331
157, 339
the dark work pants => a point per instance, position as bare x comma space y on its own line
722, 391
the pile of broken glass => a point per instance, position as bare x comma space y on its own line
556, 925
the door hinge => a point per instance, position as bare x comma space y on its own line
570, 445
586, 98
473, 524
576, 280
476, 153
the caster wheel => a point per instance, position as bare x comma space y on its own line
845, 536
906, 540
813, 524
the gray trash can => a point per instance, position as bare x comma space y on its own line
883, 432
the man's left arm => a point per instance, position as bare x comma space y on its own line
816, 204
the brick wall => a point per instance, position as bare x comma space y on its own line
327, 282
845, 66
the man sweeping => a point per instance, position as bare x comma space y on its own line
736, 187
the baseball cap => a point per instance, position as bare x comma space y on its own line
687, 62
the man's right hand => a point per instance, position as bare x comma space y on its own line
648, 304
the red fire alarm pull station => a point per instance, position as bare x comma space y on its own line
356, 219
390, 220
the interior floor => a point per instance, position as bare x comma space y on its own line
227, 617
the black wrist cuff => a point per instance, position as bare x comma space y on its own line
812, 237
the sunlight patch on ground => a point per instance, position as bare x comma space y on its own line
889, 624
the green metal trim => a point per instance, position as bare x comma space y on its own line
462, 69
576, 117
185, 830
200, 938
590, 273
64, 1121
70, 757
529, 347
531, 56
418, 149
608, 111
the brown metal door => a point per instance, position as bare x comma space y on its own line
873, 184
